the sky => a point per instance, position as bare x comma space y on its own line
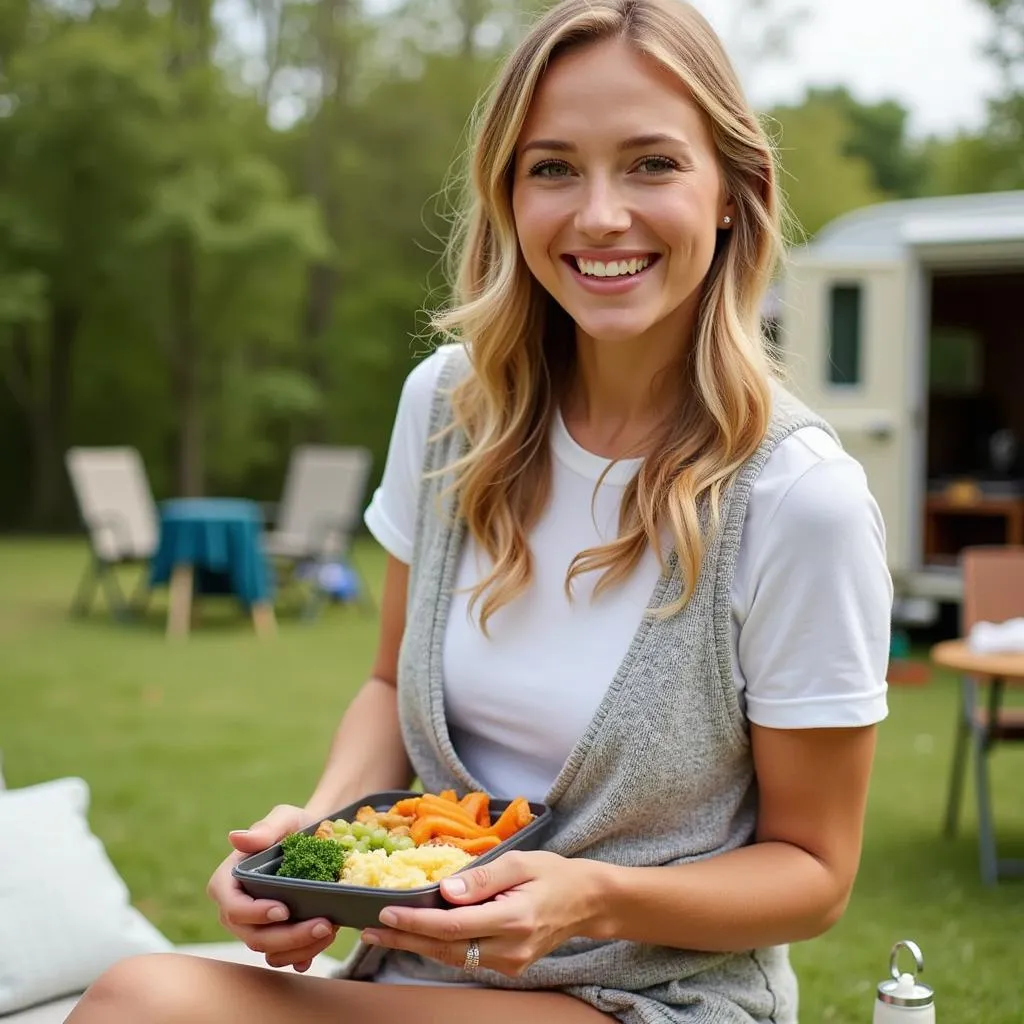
925, 53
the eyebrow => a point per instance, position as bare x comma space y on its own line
635, 142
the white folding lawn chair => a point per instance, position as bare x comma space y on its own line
117, 508
319, 512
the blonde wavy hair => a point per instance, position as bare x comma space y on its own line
521, 343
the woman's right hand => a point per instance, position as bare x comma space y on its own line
262, 924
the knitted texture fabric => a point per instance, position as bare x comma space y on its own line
663, 774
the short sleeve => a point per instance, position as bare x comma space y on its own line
391, 514
814, 646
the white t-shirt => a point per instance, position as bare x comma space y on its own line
811, 602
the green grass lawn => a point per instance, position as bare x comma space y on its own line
182, 741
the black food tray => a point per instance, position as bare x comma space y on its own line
358, 906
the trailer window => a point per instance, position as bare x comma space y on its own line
844, 334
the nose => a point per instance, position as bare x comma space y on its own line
602, 211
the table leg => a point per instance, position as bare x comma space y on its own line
263, 618
179, 609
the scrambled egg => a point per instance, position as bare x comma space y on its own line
403, 869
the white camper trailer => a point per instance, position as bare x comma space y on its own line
903, 324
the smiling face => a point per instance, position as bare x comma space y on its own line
618, 196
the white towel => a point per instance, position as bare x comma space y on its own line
997, 637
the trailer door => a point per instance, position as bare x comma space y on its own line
847, 337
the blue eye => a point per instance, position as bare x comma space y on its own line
550, 169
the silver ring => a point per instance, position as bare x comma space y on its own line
472, 961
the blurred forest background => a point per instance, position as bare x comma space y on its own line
220, 219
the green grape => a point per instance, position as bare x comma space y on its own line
379, 835
348, 841
387, 844
341, 826
359, 830
363, 845
403, 842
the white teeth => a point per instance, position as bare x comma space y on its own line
616, 268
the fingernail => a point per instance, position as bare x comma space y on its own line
454, 886
321, 931
239, 832
277, 914
388, 917
370, 938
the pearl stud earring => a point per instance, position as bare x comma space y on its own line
727, 221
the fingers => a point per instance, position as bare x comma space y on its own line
301, 959
457, 925
475, 885
243, 911
291, 943
451, 953
503, 954
253, 922
258, 922
283, 819
236, 907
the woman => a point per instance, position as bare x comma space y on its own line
629, 575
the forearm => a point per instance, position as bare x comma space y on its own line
759, 895
367, 754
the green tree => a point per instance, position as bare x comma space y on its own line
407, 137
232, 246
1006, 123
971, 162
877, 134
820, 176
992, 158
78, 159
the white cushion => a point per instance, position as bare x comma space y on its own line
233, 952
65, 913
47, 1013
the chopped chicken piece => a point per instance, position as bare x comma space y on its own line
393, 821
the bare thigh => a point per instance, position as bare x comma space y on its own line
174, 988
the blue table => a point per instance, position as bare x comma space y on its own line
213, 545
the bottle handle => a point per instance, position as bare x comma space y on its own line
915, 951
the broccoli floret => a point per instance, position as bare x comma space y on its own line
312, 858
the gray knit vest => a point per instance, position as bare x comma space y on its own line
662, 775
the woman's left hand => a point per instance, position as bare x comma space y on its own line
536, 901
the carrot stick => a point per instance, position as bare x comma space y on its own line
406, 807
478, 805
424, 829
525, 815
434, 805
507, 824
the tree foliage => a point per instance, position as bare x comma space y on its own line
220, 221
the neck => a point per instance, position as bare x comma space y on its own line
620, 394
